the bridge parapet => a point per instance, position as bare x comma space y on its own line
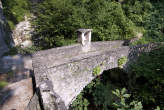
68, 72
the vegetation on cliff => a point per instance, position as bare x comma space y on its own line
15, 10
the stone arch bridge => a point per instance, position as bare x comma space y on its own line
62, 73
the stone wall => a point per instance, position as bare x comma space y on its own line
62, 73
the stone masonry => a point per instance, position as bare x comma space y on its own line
62, 73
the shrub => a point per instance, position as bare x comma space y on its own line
147, 14
15, 10
96, 70
80, 103
122, 104
122, 61
149, 72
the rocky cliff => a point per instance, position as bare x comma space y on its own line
3, 46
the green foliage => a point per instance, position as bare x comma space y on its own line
122, 104
149, 72
57, 21
99, 93
96, 70
102, 95
158, 108
122, 61
150, 65
15, 10
3, 84
110, 20
80, 103
11, 24
149, 15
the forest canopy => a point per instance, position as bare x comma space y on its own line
57, 20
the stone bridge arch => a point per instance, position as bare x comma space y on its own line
62, 73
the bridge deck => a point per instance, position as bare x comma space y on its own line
61, 55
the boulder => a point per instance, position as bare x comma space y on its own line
26, 44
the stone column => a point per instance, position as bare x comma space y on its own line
84, 36
83, 39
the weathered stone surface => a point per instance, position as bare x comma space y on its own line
34, 103
16, 96
69, 69
52, 101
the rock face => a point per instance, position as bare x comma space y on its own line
3, 46
16, 96
22, 33
34, 103
62, 73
